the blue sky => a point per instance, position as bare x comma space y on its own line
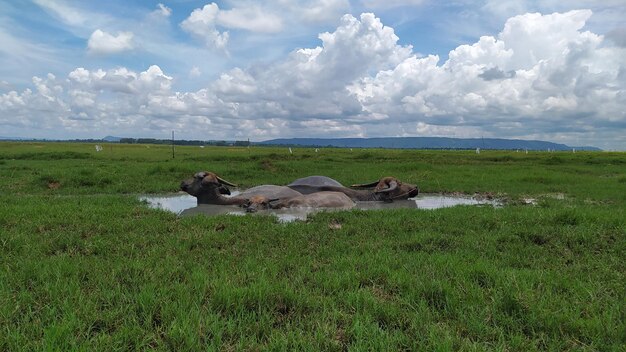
552, 70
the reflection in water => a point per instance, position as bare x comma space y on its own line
436, 202
186, 205
174, 203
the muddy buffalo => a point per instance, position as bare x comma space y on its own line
386, 189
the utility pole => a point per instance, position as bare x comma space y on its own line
172, 144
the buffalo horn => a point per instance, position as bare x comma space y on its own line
392, 186
222, 181
365, 185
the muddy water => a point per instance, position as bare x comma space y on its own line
185, 205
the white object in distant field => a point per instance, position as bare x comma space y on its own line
526, 151
98, 148
317, 150
201, 146
477, 150
290, 152
573, 150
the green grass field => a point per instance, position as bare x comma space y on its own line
84, 265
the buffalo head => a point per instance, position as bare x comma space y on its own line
390, 188
206, 183
258, 202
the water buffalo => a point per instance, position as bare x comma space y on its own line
385, 189
313, 200
314, 181
208, 188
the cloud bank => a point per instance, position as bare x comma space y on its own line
542, 76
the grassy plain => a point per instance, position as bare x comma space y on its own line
84, 265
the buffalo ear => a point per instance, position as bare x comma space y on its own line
365, 185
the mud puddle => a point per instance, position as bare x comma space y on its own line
185, 205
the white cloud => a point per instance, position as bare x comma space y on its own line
542, 76
77, 17
535, 37
557, 76
251, 18
201, 23
122, 80
608, 14
316, 11
163, 10
101, 42
67, 14
210, 23
312, 82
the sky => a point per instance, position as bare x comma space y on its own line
239, 69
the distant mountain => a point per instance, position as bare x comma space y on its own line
111, 139
424, 143
384, 142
